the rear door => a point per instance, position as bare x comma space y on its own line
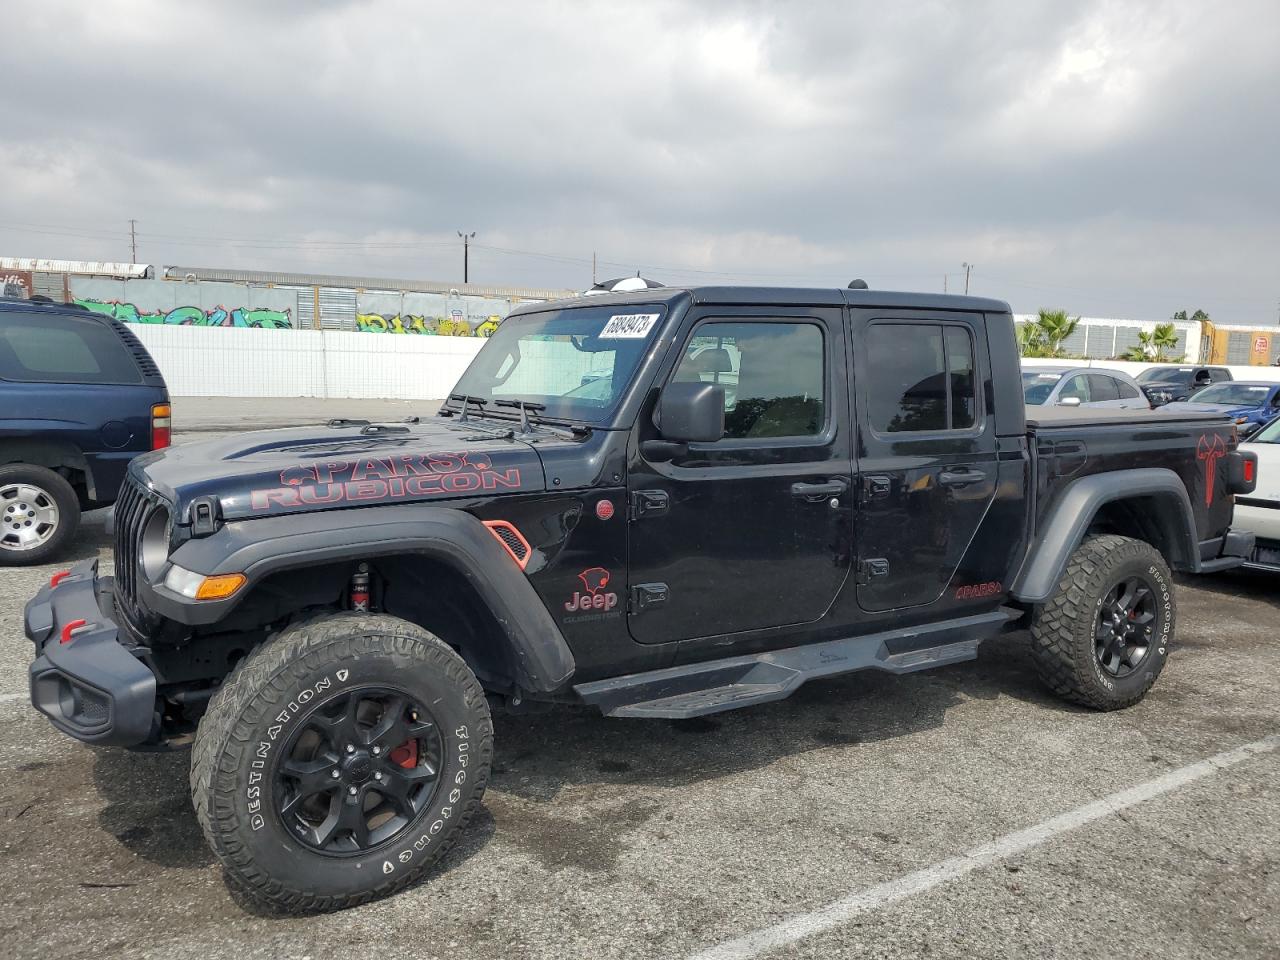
927, 452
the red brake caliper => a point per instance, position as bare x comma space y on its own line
406, 755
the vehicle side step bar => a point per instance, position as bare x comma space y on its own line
697, 689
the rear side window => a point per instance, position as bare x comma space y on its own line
921, 378
1102, 388
1127, 392
54, 348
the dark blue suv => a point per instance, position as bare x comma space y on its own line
79, 398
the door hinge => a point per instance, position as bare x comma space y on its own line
875, 488
872, 569
646, 596
649, 503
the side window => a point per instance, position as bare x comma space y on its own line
56, 348
1127, 391
1078, 387
773, 376
1102, 388
921, 378
1217, 375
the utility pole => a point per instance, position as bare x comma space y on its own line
967, 268
133, 241
944, 283
593, 268
466, 250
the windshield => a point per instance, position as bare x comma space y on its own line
1036, 387
1165, 375
575, 362
1237, 394
1268, 434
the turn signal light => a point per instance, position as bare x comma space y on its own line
220, 587
161, 426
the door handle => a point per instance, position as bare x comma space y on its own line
819, 491
960, 478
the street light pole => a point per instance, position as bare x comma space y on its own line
466, 249
967, 268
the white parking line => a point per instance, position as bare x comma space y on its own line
804, 925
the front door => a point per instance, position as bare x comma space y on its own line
754, 530
927, 453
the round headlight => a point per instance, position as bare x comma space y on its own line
153, 546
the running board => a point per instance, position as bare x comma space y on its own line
696, 689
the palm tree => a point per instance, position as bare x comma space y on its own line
1031, 339
1057, 327
1165, 337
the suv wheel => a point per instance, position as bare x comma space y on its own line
39, 513
1104, 635
339, 761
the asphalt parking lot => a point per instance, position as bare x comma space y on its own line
610, 838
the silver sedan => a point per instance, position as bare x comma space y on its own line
1081, 387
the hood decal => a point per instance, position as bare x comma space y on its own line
377, 479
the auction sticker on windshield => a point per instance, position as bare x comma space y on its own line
628, 326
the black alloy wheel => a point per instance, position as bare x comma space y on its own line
1123, 631
359, 769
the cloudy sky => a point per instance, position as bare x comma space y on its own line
1111, 158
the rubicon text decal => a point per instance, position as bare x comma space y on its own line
385, 478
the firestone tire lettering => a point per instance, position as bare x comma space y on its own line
232, 773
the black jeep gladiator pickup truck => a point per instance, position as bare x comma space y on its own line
661, 504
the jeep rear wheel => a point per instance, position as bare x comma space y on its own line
1103, 636
339, 761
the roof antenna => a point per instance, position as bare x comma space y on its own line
857, 285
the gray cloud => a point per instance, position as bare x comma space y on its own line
1114, 158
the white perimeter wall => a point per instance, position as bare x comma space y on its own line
235, 362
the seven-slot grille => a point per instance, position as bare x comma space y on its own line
134, 507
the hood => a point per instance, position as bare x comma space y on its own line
301, 469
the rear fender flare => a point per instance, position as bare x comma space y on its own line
260, 547
1065, 525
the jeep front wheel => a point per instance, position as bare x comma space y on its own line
339, 761
1103, 637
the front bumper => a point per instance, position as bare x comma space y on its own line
89, 685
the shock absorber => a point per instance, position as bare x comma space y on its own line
359, 590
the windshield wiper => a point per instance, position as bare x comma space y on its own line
467, 399
524, 406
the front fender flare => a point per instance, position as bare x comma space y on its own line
1067, 521
263, 546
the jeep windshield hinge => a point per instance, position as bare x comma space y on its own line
872, 569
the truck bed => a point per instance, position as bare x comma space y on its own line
1048, 417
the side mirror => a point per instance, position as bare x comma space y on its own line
1069, 402
691, 412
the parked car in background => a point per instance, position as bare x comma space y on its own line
1081, 387
1259, 511
79, 398
1165, 384
1249, 404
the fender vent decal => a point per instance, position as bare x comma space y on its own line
512, 541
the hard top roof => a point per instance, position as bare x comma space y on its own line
791, 296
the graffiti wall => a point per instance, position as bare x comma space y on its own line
187, 304
429, 314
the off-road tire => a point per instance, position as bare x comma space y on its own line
68, 506
1063, 632
252, 711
